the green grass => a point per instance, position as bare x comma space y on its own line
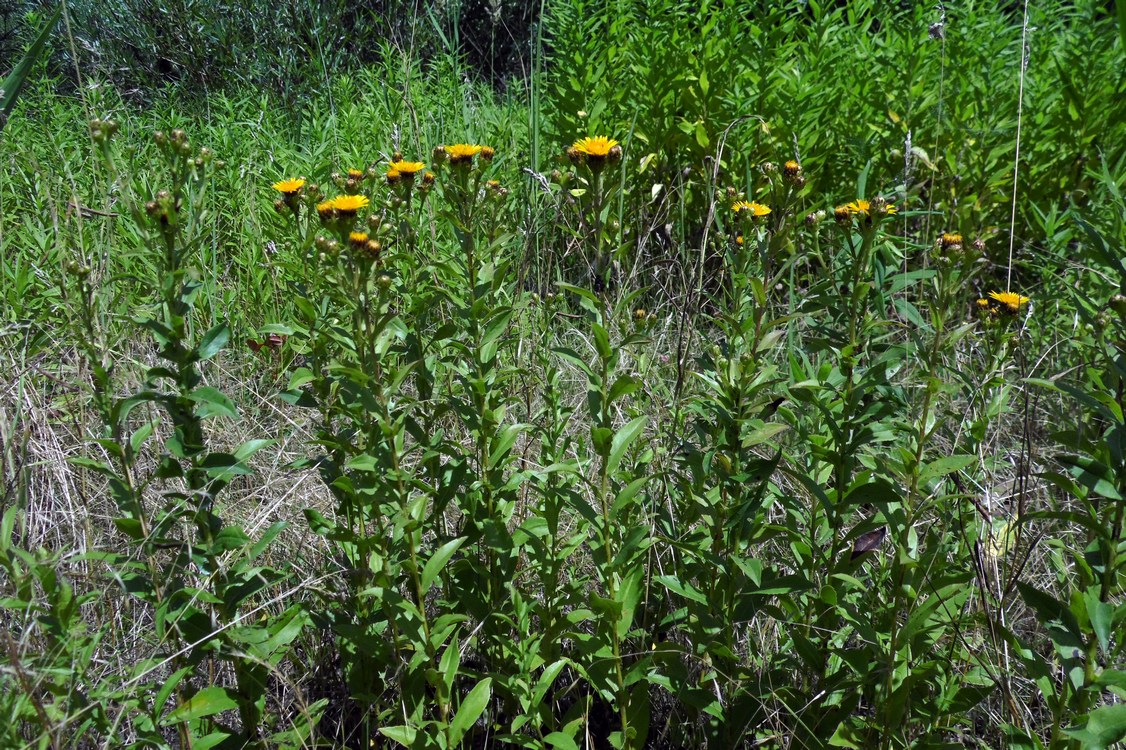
585, 458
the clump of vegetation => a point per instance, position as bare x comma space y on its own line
425, 417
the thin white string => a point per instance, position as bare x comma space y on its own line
1016, 159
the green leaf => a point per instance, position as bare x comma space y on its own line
601, 341
438, 561
207, 702
403, 734
561, 741
209, 741
166, 689
12, 85
211, 402
140, 435
213, 341
943, 466
472, 706
1100, 614
687, 590
629, 594
622, 441
1104, 726
546, 680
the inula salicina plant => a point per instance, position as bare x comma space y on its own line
341, 428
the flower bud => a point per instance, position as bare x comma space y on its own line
1118, 304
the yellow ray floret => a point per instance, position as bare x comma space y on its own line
755, 209
598, 146
350, 204
1011, 301
289, 187
408, 167
462, 151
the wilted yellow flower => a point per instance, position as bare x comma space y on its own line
1011, 302
756, 209
289, 187
356, 174
791, 169
598, 147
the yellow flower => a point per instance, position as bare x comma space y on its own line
408, 167
1010, 301
356, 174
358, 239
350, 204
289, 187
325, 209
756, 209
950, 240
859, 206
598, 147
461, 153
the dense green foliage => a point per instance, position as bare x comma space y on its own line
712, 435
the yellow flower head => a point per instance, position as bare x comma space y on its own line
462, 153
325, 209
350, 204
950, 240
1011, 302
755, 209
408, 167
393, 174
791, 169
356, 174
289, 187
358, 239
862, 209
598, 147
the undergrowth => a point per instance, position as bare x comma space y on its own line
587, 416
